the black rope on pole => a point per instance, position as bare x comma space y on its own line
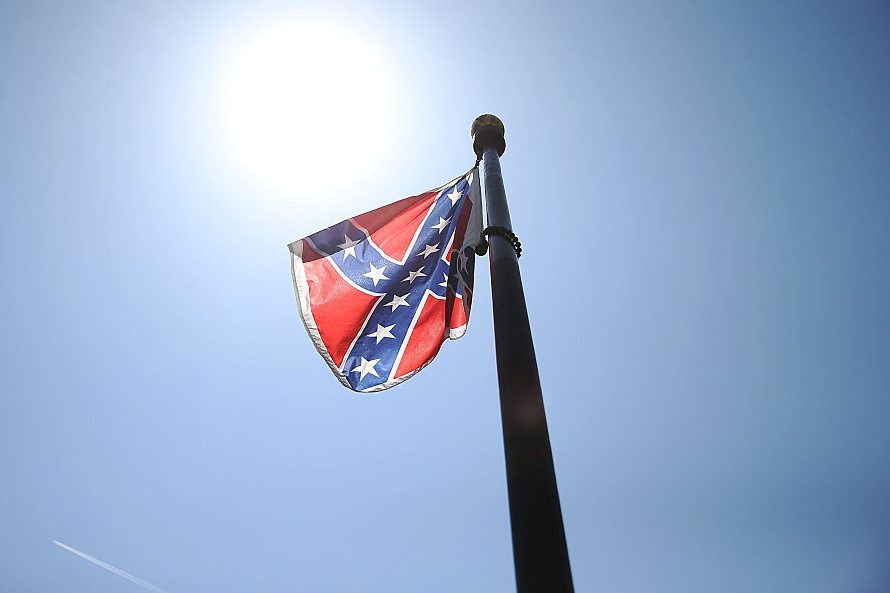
504, 232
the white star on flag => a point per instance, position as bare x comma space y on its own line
375, 274
365, 367
382, 332
443, 222
413, 275
397, 301
454, 196
444, 284
348, 247
429, 250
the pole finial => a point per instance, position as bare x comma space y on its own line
488, 129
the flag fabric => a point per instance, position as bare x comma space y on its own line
380, 292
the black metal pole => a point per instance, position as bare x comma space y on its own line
540, 554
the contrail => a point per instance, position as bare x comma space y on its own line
110, 568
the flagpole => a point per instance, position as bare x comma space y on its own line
540, 554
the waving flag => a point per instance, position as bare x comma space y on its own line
381, 291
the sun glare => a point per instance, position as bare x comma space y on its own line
300, 100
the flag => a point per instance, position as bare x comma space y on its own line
380, 292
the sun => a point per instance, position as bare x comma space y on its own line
305, 105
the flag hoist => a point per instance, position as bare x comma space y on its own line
380, 292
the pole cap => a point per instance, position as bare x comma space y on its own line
488, 129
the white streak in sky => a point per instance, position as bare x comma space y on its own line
110, 568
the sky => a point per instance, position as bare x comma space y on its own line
701, 192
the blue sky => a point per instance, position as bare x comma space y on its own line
701, 190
